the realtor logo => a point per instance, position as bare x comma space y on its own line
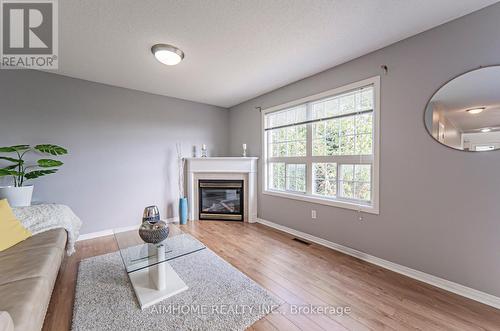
29, 36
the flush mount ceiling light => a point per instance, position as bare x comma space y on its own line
486, 130
167, 54
475, 110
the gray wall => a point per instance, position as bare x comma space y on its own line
439, 208
122, 143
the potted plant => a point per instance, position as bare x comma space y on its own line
20, 170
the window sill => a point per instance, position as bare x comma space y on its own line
324, 201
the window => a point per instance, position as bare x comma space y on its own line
324, 148
355, 181
296, 177
325, 179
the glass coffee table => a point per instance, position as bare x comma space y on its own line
152, 277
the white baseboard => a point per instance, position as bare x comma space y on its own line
444, 284
110, 232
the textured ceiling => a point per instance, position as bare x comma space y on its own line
235, 50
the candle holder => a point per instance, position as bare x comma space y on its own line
244, 154
203, 150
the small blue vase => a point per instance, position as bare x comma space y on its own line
183, 210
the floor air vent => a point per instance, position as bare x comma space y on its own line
301, 241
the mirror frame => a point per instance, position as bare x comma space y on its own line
436, 91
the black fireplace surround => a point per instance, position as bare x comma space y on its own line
220, 199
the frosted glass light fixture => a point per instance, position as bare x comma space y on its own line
475, 110
167, 54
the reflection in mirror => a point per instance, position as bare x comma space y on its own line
465, 113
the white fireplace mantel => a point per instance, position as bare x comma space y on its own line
244, 168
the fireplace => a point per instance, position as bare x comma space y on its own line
221, 199
230, 169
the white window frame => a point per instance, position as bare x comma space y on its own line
373, 206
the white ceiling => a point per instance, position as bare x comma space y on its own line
235, 50
479, 88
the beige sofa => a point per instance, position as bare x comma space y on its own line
28, 272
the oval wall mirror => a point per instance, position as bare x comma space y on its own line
464, 114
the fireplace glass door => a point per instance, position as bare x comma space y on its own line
221, 200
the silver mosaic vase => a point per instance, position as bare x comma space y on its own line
153, 232
151, 214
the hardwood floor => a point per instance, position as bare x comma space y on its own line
304, 275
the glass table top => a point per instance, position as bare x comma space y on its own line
136, 254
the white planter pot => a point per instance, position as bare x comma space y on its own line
17, 196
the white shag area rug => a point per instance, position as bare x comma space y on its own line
219, 297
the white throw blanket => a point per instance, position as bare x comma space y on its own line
41, 218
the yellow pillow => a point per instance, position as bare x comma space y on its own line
11, 229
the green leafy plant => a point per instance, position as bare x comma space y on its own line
21, 171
